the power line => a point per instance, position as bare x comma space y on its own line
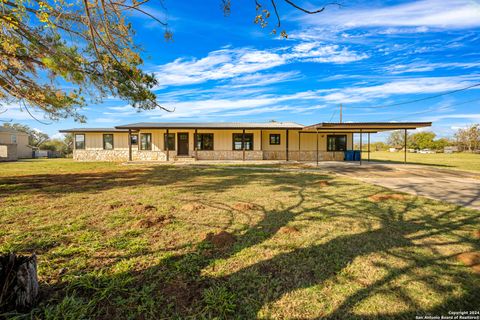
421, 99
438, 109
333, 114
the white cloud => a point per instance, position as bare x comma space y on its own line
470, 117
425, 67
424, 85
111, 121
15, 112
230, 63
58, 135
263, 79
445, 14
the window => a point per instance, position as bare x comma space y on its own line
13, 138
170, 142
237, 141
337, 143
145, 141
204, 141
275, 138
134, 139
108, 141
79, 141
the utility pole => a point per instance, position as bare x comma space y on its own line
340, 113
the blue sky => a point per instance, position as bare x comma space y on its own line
364, 55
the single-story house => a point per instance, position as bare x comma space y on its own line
167, 141
13, 145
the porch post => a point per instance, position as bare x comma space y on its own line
361, 134
165, 140
369, 147
286, 146
243, 144
129, 145
405, 148
317, 147
195, 137
261, 142
299, 149
334, 146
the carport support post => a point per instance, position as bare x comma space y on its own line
317, 147
361, 134
369, 147
405, 148
286, 146
129, 145
166, 140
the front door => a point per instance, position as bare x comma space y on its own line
182, 144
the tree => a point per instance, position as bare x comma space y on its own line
440, 144
35, 138
63, 146
378, 146
468, 139
396, 139
88, 44
422, 140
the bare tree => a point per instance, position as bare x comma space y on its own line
468, 139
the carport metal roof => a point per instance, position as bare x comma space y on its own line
365, 127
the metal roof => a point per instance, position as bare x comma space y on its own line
92, 130
11, 130
212, 125
366, 126
345, 127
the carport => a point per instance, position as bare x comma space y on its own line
364, 127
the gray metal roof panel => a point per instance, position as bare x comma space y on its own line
92, 130
212, 125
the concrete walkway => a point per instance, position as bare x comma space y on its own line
459, 187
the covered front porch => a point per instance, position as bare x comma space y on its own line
278, 141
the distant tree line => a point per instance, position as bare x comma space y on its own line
465, 139
42, 141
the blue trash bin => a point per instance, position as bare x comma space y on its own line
357, 155
349, 155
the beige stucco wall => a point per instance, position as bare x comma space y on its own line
23, 150
222, 146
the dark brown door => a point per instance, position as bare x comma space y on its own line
182, 144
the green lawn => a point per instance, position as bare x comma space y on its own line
162, 242
462, 161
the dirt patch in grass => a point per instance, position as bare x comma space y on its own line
384, 197
155, 221
115, 205
140, 208
182, 293
193, 207
137, 208
476, 234
470, 259
244, 206
221, 240
288, 230
323, 183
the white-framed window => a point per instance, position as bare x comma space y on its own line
13, 138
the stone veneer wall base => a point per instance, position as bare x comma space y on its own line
144, 155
